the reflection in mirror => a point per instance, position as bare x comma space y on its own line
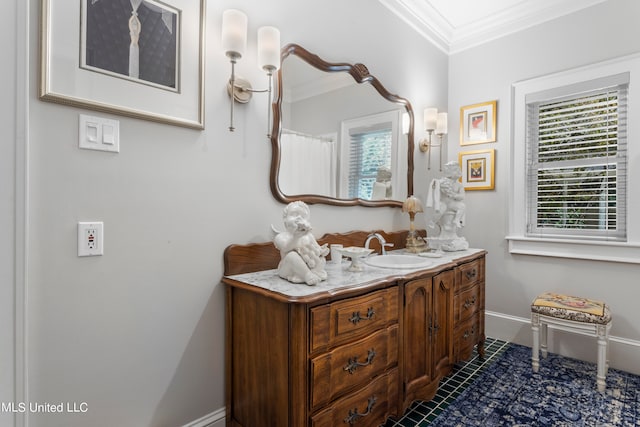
338, 136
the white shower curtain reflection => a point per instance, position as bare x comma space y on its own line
307, 164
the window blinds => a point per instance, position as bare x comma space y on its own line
370, 149
577, 162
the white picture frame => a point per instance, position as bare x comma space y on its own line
65, 78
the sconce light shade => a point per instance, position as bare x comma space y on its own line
234, 33
441, 127
430, 118
268, 48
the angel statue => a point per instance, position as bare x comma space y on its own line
446, 196
302, 259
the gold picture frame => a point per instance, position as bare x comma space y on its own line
66, 79
478, 169
478, 123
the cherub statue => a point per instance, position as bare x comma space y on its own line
382, 188
446, 196
302, 258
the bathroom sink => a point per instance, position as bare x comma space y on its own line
398, 261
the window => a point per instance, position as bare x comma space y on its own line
369, 151
575, 162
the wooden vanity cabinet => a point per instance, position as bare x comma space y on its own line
469, 309
427, 341
353, 356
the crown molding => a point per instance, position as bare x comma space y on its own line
424, 19
432, 25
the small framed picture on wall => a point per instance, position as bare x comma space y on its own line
478, 123
478, 169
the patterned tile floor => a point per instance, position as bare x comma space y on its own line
421, 414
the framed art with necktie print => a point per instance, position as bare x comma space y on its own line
138, 58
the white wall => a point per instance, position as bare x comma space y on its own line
485, 73
7, 207
138, 333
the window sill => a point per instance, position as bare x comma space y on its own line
576, 249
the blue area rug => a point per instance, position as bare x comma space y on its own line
562, 393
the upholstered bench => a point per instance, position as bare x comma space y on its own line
571, 314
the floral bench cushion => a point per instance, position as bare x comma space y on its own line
571, 308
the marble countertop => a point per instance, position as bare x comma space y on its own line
339, 277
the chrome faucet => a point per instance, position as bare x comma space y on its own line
383, 243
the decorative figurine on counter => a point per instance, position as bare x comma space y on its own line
446, 196
382, 188
302, 259
415, 244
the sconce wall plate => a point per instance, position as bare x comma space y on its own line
242, 90
425, 143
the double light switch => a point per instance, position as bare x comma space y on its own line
98, 133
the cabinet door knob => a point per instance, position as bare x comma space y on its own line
433, 329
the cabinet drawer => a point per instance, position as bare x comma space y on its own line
467, 335
352, 318
367, 407
352, 365
466, 303
470, 274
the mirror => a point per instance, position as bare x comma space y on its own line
338, 136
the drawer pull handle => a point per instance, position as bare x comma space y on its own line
471, 274
469, 302
468, 333
353, 362
356, 318
354, 415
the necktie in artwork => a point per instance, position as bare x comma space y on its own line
135, 27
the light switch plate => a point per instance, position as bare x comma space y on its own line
98, 133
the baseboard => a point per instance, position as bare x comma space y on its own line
624, 353
214, 419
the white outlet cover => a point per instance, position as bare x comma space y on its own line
90, 238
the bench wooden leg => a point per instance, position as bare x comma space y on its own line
535, 351
602, 357
543, 339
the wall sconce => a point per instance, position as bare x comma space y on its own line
433, 122
234, 43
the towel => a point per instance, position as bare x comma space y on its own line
433, 197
